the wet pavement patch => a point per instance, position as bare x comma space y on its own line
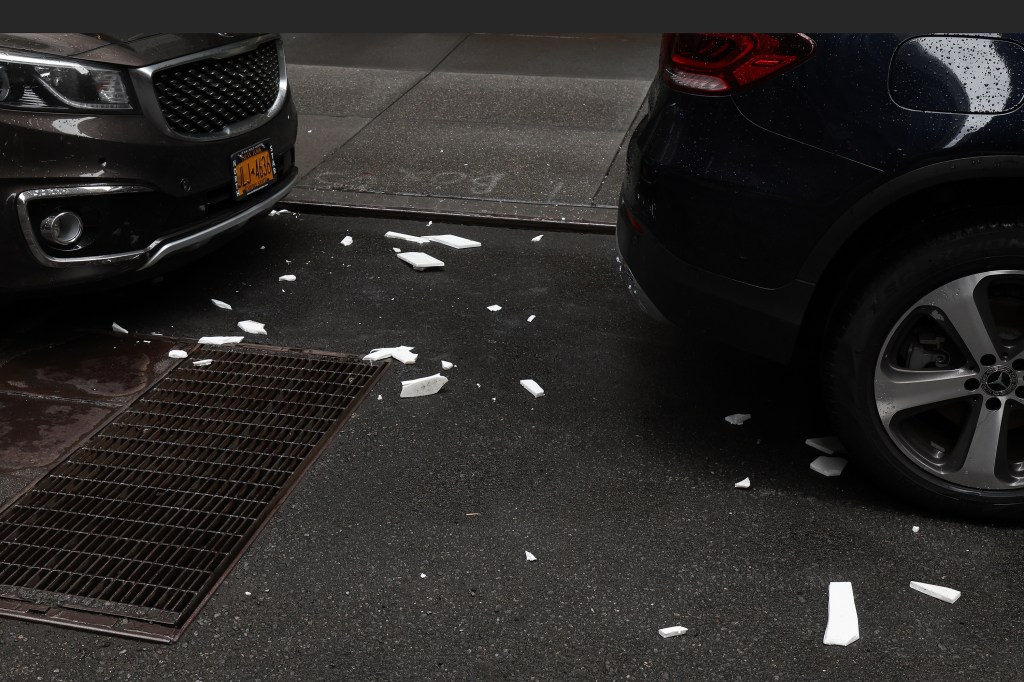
133, 532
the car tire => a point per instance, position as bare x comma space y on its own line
923, 370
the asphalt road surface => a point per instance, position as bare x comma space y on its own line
619, 480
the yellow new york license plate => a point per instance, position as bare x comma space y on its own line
253, 168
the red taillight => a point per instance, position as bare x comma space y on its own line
720, 63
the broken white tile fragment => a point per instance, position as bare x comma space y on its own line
177, 354
946, 594
420, 261
446, 365
531, 318
221, 304
396, 249
745, 483
202, 363
252, 327
843, 627
829, 466
530, 557
830, 445
406, 237
118, 328
414, 388
915, 528
494, 308
220, 340
537, 238
737, 419
286, 278
673, 631
400, 353
347, 241
533, 387
452, 240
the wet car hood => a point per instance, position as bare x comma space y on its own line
138, 49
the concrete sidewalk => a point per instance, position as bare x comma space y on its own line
516, 128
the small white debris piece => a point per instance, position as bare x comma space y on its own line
745, 483
429, 223
673, 631
145, 341
533, 387
380, 397
248, 594
177, 354
530, 557
531, 318
916, 528
446, 365
537, 238
118, 328
494, 308
400, 353
830, 445
252, 327
452, 241
202, 363
829, 466
220, 340
262, 247
737, 419
279, 212
347, 241
420, 261
423, 575
946, 594
286, 278
221, 304
406, 237
843, 627
414, 388
396, 249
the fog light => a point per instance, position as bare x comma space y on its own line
62, 228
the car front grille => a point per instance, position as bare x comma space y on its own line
206, 96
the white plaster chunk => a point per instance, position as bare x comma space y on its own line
843, 627
533, 387
494, 308
221, 304
414, 388
347, 241
396, 249
737, 419
537, 238
252, 327
202, 363
452, 240
286, 278
531, 318
829, 466
673, 631
220, 340
118, 328
420, 261
830, 445
446, 365
530, 557
406, 237
402, 354
915, 528
177, 354
946, 594
745, 483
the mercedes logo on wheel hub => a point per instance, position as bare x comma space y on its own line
999, 380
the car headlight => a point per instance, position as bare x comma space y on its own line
45, 84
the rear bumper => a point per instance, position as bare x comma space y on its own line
765, 322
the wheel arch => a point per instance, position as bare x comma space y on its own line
987, 186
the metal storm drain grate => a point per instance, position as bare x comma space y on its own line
133, 532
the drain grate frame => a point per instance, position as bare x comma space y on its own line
135, 529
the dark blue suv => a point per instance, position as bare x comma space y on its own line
851, 203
